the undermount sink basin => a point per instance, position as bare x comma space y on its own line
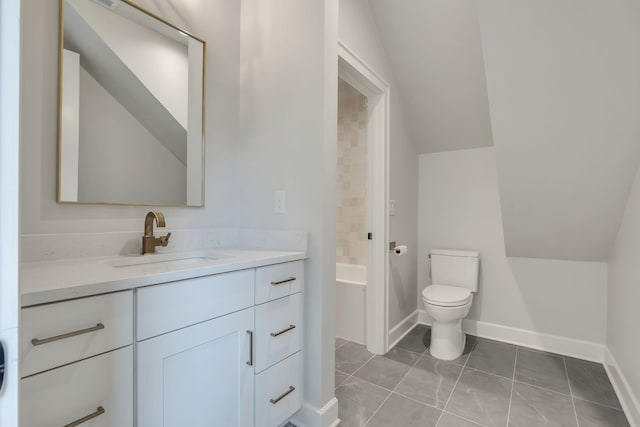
162, 261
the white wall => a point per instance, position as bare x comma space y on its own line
359, 33
120, 160
459, 208
289, 59
623, 320
436, 54
564, 97
218, 23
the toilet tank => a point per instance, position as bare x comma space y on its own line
455, 268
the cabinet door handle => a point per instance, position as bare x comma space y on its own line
250, 362
37, 341
282, 282
283, 395
284, 331
91, 416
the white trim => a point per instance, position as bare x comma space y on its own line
402, 328
423, 318
628, 399
363, 78
10, 64
586, 350
309, 416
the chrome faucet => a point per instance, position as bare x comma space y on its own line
149, 241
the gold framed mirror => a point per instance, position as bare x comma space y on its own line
131, 107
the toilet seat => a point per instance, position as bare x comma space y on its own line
446, 296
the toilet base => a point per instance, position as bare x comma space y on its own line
447, 340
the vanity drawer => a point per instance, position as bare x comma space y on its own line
278, 330
56, 334
69, 393
279, 392
165, 308
279, 280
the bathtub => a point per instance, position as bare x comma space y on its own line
351, 287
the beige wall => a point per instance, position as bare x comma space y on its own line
351, 185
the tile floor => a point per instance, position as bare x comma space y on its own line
491, 384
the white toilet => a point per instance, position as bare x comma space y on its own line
454, 278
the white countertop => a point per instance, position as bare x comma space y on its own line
48, 281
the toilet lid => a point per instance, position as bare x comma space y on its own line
446, 296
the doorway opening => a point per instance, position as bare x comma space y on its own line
363, 187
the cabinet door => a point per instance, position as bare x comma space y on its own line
198, 376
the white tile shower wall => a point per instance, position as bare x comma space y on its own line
351, 185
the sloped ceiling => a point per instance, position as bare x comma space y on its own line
436, 56
554, 85
564, 90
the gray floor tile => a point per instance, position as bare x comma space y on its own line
481, 397
533, 406
415, 340
589, 381
387, 371
400, 411
357, 401
403, 356
340, 342
449, 420
469, 345
542, 369
340, 378
593, 415
493, 357
430, 381
350, 357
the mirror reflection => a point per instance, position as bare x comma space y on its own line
131, 107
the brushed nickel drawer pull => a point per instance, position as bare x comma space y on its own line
250, 362
91, 416
284, 331
283, 395
282, 282
37, 341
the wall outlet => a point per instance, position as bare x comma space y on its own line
280, 202
392, 207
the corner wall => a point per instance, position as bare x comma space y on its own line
623, 316
358, 31
459, 208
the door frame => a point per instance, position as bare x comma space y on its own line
9, 203
365, 80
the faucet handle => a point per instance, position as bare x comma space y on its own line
164, 240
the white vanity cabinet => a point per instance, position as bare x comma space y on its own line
224, 349
195, 352
198, 376
77, 362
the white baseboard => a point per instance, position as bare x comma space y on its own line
402, 328
310, 416
586, 350
628, 399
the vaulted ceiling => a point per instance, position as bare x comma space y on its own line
436, 54
554, 86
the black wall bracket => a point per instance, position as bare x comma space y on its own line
1, 366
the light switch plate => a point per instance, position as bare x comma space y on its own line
392, 207
280, 202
